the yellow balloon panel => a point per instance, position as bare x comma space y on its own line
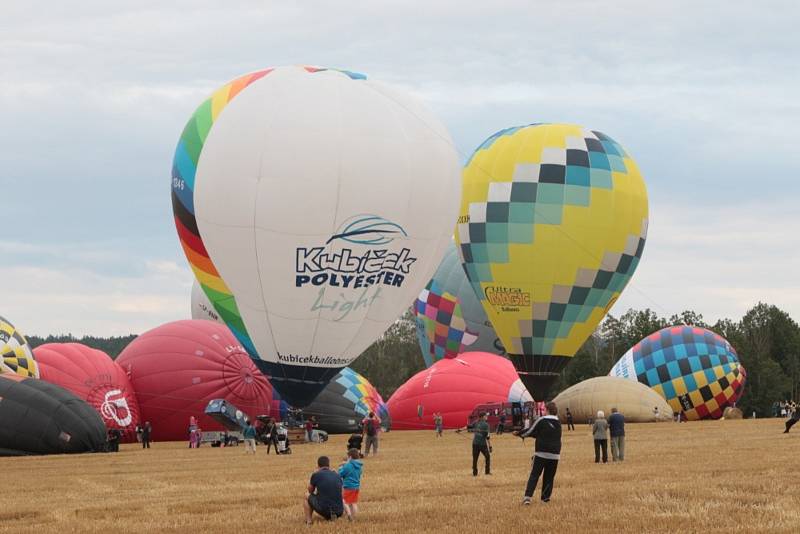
15, 353
552, 226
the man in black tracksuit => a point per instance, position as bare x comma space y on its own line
547, 451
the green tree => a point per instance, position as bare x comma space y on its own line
767, 341
392, 359
688, 317
112, 346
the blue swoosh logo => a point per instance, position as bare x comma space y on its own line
370, 230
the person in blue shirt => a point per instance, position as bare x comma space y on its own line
350, 471
324, 492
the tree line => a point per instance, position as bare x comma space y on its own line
766, 339
110, 345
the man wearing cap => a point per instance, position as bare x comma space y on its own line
480, 445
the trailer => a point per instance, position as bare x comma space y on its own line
222, 439
516, 413
226, 414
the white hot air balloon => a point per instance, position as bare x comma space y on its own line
202, 307
313, 206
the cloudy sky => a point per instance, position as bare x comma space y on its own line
94, 95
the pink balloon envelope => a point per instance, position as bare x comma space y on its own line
454, 387
94, 377
178, 367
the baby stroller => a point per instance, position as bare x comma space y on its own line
355, 443
283, 440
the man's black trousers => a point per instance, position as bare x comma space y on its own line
477, 450
548, 467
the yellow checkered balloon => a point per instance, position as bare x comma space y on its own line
15, 353
552, 226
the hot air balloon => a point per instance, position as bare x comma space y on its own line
15, 352
177, 368
345, 402
694, 369
313, 204
449, 317
37, 417
635, 401
552, 226
201, 306
95, 378
454, 387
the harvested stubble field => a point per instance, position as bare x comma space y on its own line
719, 476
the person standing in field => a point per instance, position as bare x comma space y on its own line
272, 435
792, 420
501, 424
438, 424
147, 429
616, 427
309, 426
350, 471
600, 434
192, 430
547, 451
113, 438
371, 428
249, 435
480, 445
324, 492
570, 423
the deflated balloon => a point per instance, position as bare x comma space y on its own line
345, 402
312, 204
37, 417
552, 225
95, 378
637, 402
695, 370
178, 367
15, 352
449, 317
454, 387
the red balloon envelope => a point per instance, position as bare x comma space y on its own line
180, 366
454, 387
94, 377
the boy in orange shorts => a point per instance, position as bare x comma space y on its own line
350, 471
